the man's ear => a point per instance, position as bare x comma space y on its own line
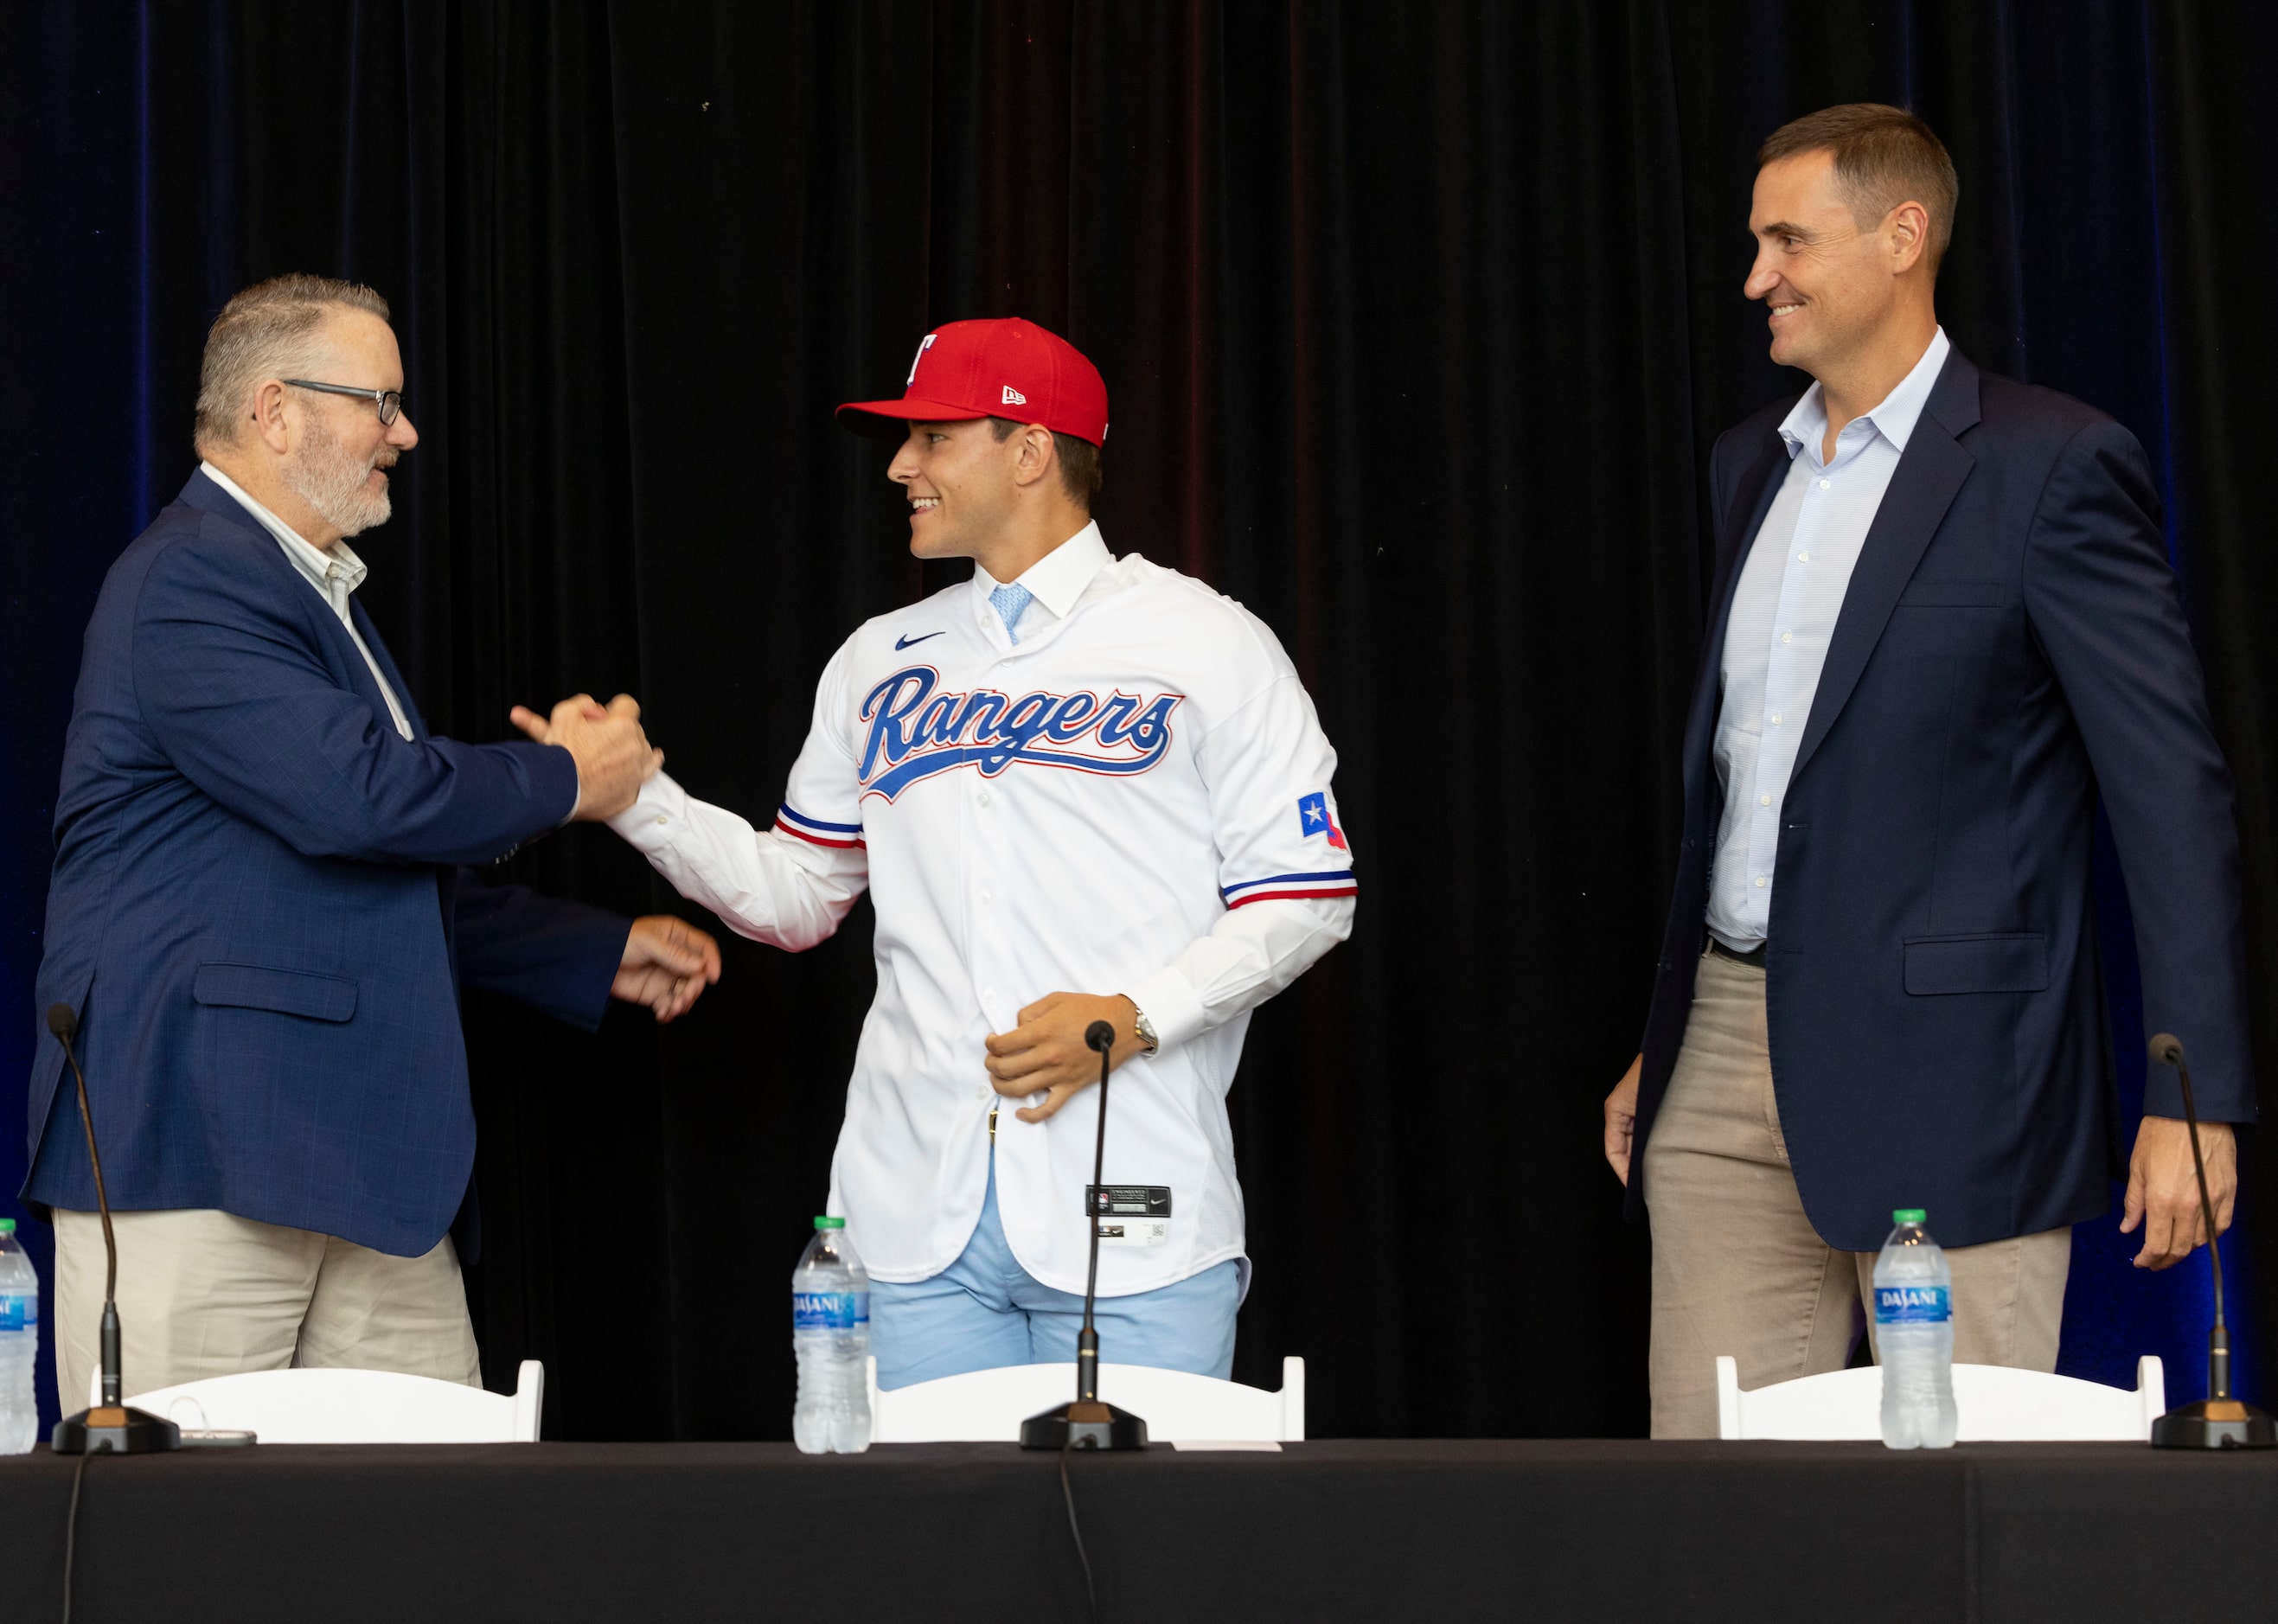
1038, 455
1909, 227
268, 416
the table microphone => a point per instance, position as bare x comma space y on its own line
2218, 1420
110, 1428
1087, 1424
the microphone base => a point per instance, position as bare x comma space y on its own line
2215, 1423
115, 1431
1078, 1425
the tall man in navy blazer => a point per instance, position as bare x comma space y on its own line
1943, 627
258, 909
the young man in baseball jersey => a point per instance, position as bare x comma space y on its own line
1081, 788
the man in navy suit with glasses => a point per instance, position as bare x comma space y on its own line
260, 910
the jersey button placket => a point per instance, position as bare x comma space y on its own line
984, 869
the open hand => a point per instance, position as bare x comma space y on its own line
612, 754
1046, 1053
2163, 1188
668, 963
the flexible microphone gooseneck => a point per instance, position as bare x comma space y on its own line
1087, 1424
2168, 1051
110, 1428
64, 1024
2219, 1420
1099, 1037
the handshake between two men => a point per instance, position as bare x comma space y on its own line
1045, 1052
667, 962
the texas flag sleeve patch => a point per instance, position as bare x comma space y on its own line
1315, 817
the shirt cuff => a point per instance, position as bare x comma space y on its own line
650, 823
1169, 1001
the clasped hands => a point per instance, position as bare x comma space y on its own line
668, 962
612, 754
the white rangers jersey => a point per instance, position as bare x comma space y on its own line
1131, 797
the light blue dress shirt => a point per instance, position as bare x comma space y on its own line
1783, 617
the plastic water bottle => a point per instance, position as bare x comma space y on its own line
830, 1333
20, 1340
1913, 1334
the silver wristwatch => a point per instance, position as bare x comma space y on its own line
1145, 1028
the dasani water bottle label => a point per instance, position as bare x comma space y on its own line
19, 1311
1911, 1305
829, 1310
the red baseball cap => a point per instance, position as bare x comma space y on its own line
1006, 368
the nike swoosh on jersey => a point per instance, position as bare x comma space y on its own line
906, 641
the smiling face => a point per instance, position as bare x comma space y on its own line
1830, 284
960, 480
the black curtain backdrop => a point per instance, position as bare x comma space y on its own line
1418, 321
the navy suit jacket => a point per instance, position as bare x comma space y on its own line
2011, 648
258, 912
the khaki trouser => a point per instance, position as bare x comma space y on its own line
206, 1294
1736, 1267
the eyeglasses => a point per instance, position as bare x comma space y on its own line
390, 401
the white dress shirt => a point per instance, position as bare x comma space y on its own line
1133, 799
1783, 617
334, 575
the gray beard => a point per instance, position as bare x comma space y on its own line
331, 481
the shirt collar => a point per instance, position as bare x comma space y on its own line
309, 560
1058, 578
1893, 419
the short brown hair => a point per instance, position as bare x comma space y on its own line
1081, 474
1883, 156
266, 331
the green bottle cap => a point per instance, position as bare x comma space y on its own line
1909, 1214
825, 1221
7, 1227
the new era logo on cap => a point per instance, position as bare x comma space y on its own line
967, 369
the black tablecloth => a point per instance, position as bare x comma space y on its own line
1564, 1530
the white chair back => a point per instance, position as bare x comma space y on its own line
1993, 1403
989, 1405
351, 1406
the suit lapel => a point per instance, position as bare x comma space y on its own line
315, 611
1923, 487
1750, 503
378, 647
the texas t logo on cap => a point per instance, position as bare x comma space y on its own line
968, 370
